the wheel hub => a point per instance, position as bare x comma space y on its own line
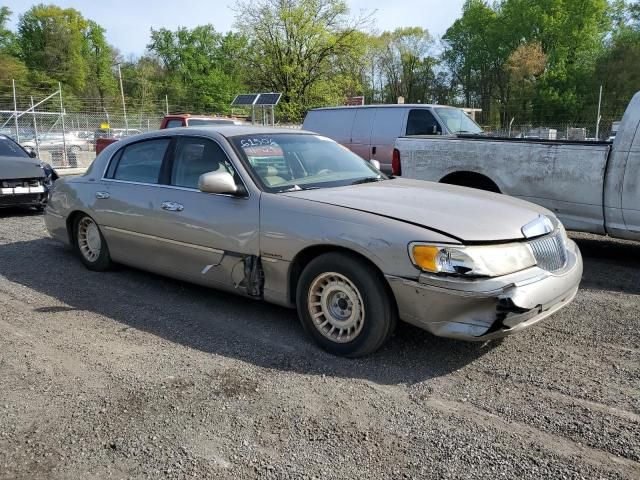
336, 307
89, 240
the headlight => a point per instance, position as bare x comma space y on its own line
472, 261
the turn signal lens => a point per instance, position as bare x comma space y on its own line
426, 257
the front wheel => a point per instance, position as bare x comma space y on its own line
344, 306
90, 244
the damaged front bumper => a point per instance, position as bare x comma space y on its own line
484, 309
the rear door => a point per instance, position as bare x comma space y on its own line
361, 132
388, 125
205, 237
126, 202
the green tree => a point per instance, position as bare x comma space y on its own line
618, 68
475, 55
11, 68
53, 42
202, 65
406, 64
99, 57
297, 47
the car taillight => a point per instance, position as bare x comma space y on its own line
396, 167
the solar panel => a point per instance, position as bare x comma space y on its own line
245, 99
268, 99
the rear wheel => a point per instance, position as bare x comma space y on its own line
344, 306
90, 244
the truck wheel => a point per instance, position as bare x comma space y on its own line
344, 306
90, 244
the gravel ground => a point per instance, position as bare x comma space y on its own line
130, 375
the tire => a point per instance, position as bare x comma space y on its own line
90, 244
344, 305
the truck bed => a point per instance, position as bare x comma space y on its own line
566, 177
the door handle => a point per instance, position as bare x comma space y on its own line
102, 195
373, 150
172, 206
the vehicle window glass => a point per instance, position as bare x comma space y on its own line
8, 148
422, 122
195, 156
457, 121
174, 123
297, 161
141, 162
204, 121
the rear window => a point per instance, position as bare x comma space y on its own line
9, 148
173, 123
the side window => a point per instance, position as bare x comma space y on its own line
195, 156
174, 123
422, 122
141, 162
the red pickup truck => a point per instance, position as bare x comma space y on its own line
172, 121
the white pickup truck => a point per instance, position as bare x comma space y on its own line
592, 186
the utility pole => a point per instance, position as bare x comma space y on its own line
64, 138
35, 127
166, 104
599, 117
15, 111
124, 108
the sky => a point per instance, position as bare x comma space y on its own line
128, 22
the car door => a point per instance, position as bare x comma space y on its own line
206, 238
388, 125
631, 188
361, 132
126, 199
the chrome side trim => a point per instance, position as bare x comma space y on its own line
166, 240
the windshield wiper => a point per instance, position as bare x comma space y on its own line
368, 180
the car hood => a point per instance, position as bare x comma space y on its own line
466, 214
16, 167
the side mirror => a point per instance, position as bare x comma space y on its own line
218, 182
31, 152
434, 130
375, 163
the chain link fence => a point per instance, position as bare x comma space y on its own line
64, 133
563, 131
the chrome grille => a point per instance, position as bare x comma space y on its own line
550, 252
20, 182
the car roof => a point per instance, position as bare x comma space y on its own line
390, 105
226, 131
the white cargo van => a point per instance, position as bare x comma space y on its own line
371, 131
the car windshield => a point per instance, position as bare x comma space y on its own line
457, 121
295, 161
8, 148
